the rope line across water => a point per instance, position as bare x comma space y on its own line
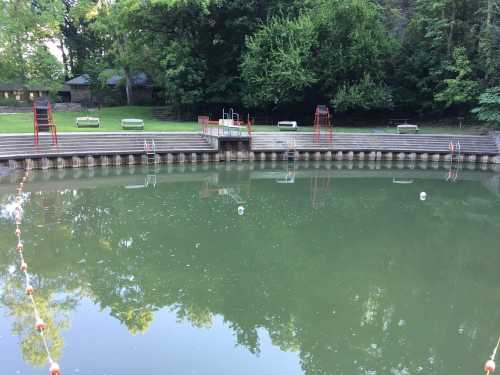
39, 323
489, 366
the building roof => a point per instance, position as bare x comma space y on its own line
81, 80
139, 79
20, 87
11, 86
36, 88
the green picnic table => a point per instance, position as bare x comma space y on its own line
132, 124
88, 122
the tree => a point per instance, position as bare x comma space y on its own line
365, 95
24, 29
353, 45
78, 41
122, 52
277, 64
173, 53
489, 37
489, 106
461, 89
195, 47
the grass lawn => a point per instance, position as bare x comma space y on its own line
111, 117
110, 121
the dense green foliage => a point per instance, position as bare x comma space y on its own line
276, 66
23, 55
489, 106
362, 55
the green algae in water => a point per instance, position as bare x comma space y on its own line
338, 272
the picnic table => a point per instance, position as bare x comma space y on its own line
88, 122
407, 128
287, 125
132, 124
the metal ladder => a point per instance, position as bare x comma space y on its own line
290, 151
289, 177
455, 162
150, 151
150, 180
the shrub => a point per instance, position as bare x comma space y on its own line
489, 106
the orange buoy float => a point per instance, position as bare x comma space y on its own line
20, 246
39, 325
18, 232
24, 267
29, 290
489, 366
55, 369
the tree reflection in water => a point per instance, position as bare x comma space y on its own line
372, 279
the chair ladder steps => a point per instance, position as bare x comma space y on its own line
150, 151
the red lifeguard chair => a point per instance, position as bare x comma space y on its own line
43, 120
322, 120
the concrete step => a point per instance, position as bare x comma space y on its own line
88, 143
14, 146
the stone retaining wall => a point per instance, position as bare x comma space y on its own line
407, 159
58, 107
12, 109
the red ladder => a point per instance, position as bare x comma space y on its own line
43, 120
322, 119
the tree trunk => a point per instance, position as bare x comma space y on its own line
486, 44
452, 27
489, 13
64, 58
128, 86
71, 62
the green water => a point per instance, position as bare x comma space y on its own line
340, 271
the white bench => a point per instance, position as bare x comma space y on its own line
407, 128
132, 124
88, 122
287, 125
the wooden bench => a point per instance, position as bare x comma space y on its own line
88, 122
132, 124
407, 129
287, 125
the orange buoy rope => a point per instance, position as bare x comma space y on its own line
489, 366
39, 323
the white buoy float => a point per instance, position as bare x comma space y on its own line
241, 210
423, 196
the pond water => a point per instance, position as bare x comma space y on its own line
327, 270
